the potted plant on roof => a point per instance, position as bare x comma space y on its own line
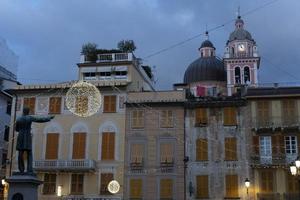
127, 46
89, 50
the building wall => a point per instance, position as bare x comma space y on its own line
67, 123
276, 125
216, 167
150, 136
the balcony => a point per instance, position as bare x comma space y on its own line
65, 165
137, 167
110, 57
276, 122
258, 161
167, 167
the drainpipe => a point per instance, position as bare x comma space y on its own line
13, 136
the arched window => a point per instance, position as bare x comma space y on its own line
232, 51
246, 75
201, 53
211, 53
237, 75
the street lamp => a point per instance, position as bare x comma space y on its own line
59, 189
247, 184
295, 171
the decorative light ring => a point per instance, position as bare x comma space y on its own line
113, 187
83, 99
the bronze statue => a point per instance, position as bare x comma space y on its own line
24, 140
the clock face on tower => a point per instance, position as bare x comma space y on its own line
241, 47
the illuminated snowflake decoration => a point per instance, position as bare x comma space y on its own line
83, 99
113, 187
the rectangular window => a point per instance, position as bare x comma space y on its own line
79, 142
201, 117
137, 119
49, 184
166, 153
265, 149
201, 150
105, 179
230, 115
232, 186
108, 146
77, 184
289, 111
166, 189
230, 149
82, 105
6, 133
136, 186
166, 119
202, 186
8, 107
89, 76
30, 103
263, 113
136, 153
110, 104
55, 105
52, 146
266, 180
290, 144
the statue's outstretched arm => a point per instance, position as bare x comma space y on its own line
41, 119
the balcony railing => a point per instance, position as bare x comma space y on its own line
167, 167
276, 122
263, 160
64, 165
111, 57
137, 167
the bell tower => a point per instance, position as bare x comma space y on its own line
241, 58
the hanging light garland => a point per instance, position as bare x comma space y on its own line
83, 99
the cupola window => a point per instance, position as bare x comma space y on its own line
237, 75
232, 51
246, 74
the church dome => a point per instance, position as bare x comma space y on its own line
207, 43
205, 69
240, 34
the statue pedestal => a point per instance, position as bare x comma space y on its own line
23, 186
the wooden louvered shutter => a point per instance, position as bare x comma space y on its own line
202, 186
230, 149
166, 152
232, 186
166, 188
263, 112
55, 105
266, 178
105, 179
137, 152
201, 116
255, 143
52, 146
230, 116
82, 105
108, 146
110, 104
30, 103
136, 186
79, 142
201, 150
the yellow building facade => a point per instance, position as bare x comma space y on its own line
77, 157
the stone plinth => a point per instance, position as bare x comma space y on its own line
23, 186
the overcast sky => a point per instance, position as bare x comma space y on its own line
47, 35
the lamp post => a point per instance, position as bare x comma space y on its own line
247, 184
295, 171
